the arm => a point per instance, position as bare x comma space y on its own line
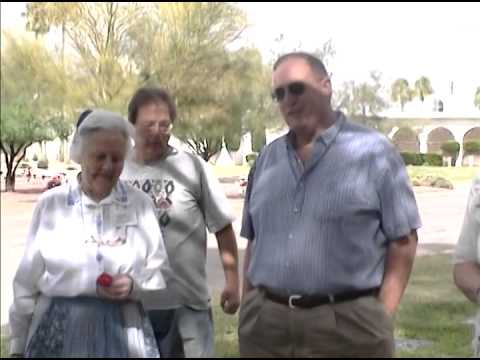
467, 278
398, 266
227, 246
150, 275
466, 272
25, 290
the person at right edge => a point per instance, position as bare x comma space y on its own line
466, 272
331, 220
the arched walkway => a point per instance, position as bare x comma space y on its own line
437, 138
406, 140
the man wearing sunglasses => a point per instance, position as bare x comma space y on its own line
331, 220
188, 200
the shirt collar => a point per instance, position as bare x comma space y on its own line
118, 195
327, 136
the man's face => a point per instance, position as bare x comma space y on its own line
303, 95
153, 128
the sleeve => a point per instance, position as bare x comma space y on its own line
25, 286
213, 201
399, 211
468, 242
152, 275
247, 230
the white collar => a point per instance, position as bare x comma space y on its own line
118, 195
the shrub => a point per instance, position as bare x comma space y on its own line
251, 158
42, 164
433, 160
451, 148
412, 158
472, 147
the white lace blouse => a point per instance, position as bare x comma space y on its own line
73, 239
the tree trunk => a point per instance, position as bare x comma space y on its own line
61, 151
10, 182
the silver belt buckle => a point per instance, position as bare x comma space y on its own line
291, 298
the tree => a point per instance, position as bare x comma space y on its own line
362, 101
41, 18
423, 88
401, 92
326, 53
31, 88
477, 98
184, 47
97, 35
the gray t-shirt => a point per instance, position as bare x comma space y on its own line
188, 199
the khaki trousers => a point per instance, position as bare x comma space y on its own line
358, 328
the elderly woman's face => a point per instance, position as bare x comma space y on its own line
102, 162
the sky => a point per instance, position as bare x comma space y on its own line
408, 40
437, 40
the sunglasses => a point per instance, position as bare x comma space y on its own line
295, 88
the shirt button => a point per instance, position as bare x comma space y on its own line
295, 210
290, 236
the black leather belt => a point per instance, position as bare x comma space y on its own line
310, 301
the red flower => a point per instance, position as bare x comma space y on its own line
105, 280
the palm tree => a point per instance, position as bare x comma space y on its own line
423, 88
477, 98
401, 92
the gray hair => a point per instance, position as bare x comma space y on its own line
315, 63
95, 121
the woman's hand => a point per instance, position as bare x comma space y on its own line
120, 289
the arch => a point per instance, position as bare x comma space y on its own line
472, 134
406, 140
437, 137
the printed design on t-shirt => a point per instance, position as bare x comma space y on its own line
160, 190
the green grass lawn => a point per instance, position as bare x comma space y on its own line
432, 309
3, 348
455, 175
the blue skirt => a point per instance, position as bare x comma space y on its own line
93, 327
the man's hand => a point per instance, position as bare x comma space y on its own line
230, 299
227, 246
120, 288
398, 265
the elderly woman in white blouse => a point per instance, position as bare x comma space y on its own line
93, 248
467, 257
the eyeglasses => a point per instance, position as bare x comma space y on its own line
296, 88
164, 127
